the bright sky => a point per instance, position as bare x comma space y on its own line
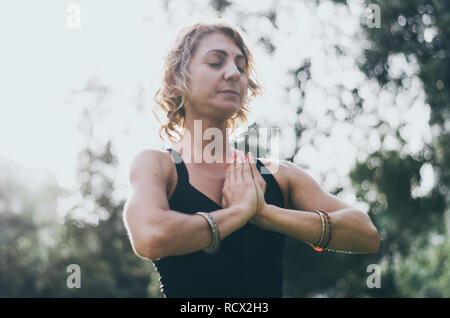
121, 45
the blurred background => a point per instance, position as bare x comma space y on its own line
358, 89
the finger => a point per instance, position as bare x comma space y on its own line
249, 175
248, 165
224, 201
257, 175
230, 158
253, 167
262, 184
239, 170
227, 176
261, 181
247, 169
235, 174
232, 171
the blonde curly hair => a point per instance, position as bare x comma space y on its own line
174, 92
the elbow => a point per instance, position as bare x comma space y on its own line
372, 237
149, 247
147, 252
145, 237
374, 242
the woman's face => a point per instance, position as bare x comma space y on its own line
219, 82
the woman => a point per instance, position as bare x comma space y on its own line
216, 228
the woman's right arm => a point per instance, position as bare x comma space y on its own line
154, 230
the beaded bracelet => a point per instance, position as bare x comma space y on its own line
214, 247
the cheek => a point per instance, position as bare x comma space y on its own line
203, 79
202, 87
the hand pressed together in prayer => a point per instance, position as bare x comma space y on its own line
244, 186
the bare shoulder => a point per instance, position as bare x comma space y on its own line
145, 159
150, 162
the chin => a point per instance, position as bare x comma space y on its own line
228, 107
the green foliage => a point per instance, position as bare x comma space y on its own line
30, 266
108, 265
35, 251
392, 178
24, 234
22, 259
420, 31
425, 273
407, 222
386, 179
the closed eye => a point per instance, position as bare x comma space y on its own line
218, 64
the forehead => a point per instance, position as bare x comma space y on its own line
212, 43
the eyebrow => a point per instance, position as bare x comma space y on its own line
222, 52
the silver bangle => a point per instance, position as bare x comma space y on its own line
215, 233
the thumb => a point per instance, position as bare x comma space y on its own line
224, 201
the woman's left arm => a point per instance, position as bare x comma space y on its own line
352, 229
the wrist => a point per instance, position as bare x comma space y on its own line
261, 218
241, 213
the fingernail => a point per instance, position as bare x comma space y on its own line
226, 167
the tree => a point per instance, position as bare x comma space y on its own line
93, 235
387, 179
27, 211
38, 245
418, 32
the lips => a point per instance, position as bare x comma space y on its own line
231, 92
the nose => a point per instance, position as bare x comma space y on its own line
232, 72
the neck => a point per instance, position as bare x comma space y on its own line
206, 141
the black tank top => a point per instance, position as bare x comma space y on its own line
248, 263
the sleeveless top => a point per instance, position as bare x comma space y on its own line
248, 262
